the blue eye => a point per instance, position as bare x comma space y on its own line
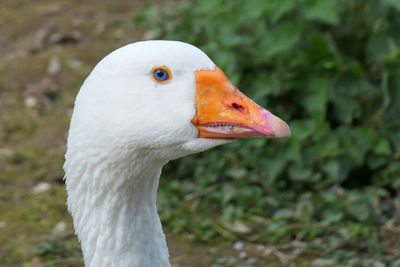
161, 74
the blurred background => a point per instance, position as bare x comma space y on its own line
327, 196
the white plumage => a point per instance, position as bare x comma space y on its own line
125, 127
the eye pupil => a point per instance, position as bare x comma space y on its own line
160, 74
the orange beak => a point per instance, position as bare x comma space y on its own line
222, 111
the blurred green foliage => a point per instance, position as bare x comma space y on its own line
332, 70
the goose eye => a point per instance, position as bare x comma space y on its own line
161, 74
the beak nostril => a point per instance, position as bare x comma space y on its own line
238, 107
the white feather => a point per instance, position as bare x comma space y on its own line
125, 127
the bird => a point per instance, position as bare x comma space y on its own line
143, 105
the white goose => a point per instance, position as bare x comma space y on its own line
143, 105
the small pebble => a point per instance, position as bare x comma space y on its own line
119, 34
6, 152
149, 35
74, 63
100, 28
41, 187
252, 261
238, 245
323, 263
60, 227
243, 254
379, 264
54, 66
30, 101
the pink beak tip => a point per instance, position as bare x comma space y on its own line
280, 128
274, 126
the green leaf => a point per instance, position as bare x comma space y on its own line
301, 129
284, 214
274, 167
315, 99
319, 51
382, 147
359, 210
279, 8
332, 216
392, 3
262, 86
237, 173
299, 173
323, 10
250, 10
332, 168
279, 39
329, 196
345, 109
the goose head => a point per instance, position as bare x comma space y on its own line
143, 105
166, 97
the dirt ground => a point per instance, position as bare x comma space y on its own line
47, 49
